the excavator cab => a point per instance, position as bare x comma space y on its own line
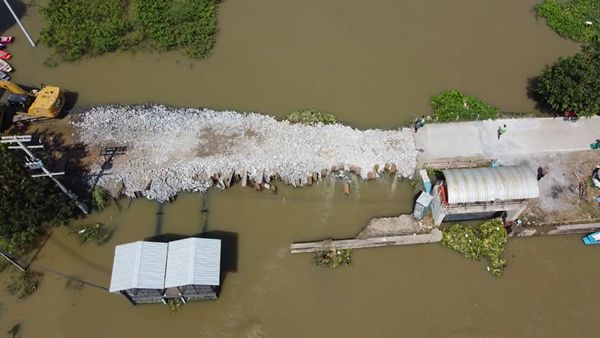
19, 102
47, 102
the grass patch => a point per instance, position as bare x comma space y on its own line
333, 258
76, 28
487, 241
311, 117
569, 18
452, 105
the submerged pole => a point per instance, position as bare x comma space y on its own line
19, 23
12, 261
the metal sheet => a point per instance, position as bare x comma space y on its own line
139, 265
491, 184
193, 261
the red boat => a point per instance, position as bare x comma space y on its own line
4, 55
6, 39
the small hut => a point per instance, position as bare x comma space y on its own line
193, 269
139, 271
479, 193
150, 272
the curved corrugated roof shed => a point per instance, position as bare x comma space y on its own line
490, 184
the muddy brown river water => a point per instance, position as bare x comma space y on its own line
372, 65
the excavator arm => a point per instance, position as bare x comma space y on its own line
13, 88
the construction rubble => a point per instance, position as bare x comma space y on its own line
170, 150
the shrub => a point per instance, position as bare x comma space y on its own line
100, 198
573, 83
452, 105
568, 18
311, 117
26, 204
487, 240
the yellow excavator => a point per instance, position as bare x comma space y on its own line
46, 102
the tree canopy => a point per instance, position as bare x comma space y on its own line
573, 83
26, 203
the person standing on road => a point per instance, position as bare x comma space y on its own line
501, 130
419, 122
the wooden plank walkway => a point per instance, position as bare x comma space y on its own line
433, 237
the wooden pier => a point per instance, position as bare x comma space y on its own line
373, 242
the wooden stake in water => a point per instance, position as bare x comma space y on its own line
19, 23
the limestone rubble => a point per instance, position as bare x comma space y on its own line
175, 149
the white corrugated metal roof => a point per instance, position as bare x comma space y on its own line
139, 265
193, 261
490, 184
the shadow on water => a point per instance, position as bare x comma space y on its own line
204, 213
229, 247
6, 19
71, 99
540, 104
159, 222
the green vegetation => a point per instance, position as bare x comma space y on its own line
452, 105
23, 284
26, 204
100, 198
333, 258
92, 232
175, 305
169, 24
573, 83
76, 28
85, 27
569, 18
487, 240
311, 117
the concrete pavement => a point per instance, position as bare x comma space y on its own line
478, 139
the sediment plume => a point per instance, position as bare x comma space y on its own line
170, 150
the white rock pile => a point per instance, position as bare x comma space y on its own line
171, 150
